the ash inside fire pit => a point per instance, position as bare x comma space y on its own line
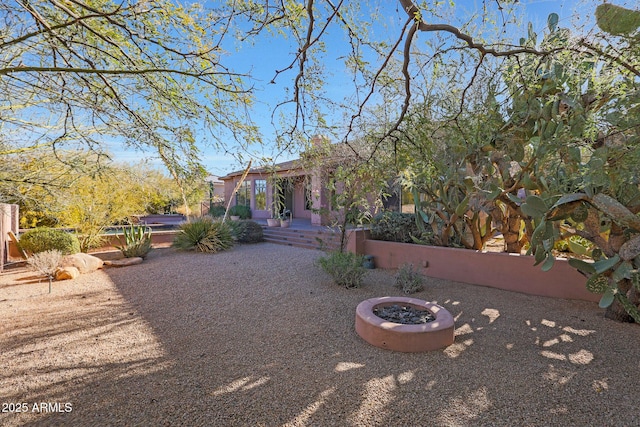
404, 314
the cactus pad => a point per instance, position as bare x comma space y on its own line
580, 213
597, 284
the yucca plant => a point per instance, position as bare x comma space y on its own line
137, 241
204, 235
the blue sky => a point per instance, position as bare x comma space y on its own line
271, 53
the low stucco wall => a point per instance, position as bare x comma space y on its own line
498, 270
158, 239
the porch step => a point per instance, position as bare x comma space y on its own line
301, 238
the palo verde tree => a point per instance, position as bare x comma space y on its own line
82, 75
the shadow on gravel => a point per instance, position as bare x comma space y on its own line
259, 336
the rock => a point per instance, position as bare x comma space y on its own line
85, 263
67, 273
406, 315
124, 262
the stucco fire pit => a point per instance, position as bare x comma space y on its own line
408, 338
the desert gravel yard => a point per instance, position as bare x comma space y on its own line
260, 336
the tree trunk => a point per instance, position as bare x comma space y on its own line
512, 235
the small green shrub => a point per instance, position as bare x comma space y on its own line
394, 227
91, 238
217, 211
137, 241
244, 212
409, 280
246, 231
345, 268
48, 239
203, 235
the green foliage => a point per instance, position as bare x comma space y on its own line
394, 227
136, 243
91, 238
161, 97
244, 212
612, 230
279, 185
35, 219
48, 239
408, 279
217, 211
204, 235
354, 187
597, 284
617, 20
345, 268
90, 200
246, 231
551, 161
573, 244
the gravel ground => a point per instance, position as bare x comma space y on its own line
260, 336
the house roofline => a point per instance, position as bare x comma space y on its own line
289, 165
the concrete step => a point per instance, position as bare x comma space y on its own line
311, 239
303, 243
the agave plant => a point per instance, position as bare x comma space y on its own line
137, 241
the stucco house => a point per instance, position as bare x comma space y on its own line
300, 191
304, 193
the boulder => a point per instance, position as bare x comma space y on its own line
67, 273
85, 263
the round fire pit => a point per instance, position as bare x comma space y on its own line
382, 333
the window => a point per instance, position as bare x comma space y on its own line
260, 193
243, 196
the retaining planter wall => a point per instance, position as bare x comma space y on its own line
498, 270
158, 239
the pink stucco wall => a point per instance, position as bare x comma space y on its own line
498, 270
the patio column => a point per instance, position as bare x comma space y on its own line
319, 199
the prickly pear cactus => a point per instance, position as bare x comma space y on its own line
580, 214
631, 309
597, 284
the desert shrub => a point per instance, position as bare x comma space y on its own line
217, 211
246, 231
408, 279
345, 268
48, 239
203, 235
394, 227
46, 263
244, 212
91, 238
136, 243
